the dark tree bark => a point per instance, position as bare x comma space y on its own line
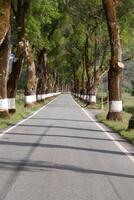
116, 65
88, 65
50, 83
4, 55
20, 13
40, 75
55, 84
42, 72
83, 85
131, 122
76, 85
30, 91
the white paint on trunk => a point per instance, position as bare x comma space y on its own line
43, 96
115, 106
29, 99
39, 97
82, 96
91, 98
121, 65
34, 98
57, 93
85, 97
4, 104
11, 103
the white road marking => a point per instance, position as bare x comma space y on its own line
22, 121
123, 149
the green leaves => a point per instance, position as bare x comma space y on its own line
40, 20
61, 27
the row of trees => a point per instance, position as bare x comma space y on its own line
26, 30
65, 43
95, 18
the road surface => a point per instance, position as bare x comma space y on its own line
60, 154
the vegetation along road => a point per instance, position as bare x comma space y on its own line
52, 48
62, 153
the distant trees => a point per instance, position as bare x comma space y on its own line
89, 45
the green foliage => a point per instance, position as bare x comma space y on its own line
39, 23
126, 20
61, 28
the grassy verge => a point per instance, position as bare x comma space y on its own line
119, 127
21, 112
81, 103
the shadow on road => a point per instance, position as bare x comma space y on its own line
36, 166
66, 136
54, 146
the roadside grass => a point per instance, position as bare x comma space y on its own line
81, 103
21, 112
120, 127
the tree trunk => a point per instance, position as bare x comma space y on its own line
83, 78
50, 83
4, 55
30, 93
42, 75
14, 76
55, 81
22, 7
116, 65
74, 79
91, 97
131, 122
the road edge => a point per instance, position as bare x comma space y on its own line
22, 121
120, 146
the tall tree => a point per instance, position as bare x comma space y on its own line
19, 8
4, 54
116, 65
31, 84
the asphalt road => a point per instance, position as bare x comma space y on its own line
60, 154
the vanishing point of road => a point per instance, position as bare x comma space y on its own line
60, 153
